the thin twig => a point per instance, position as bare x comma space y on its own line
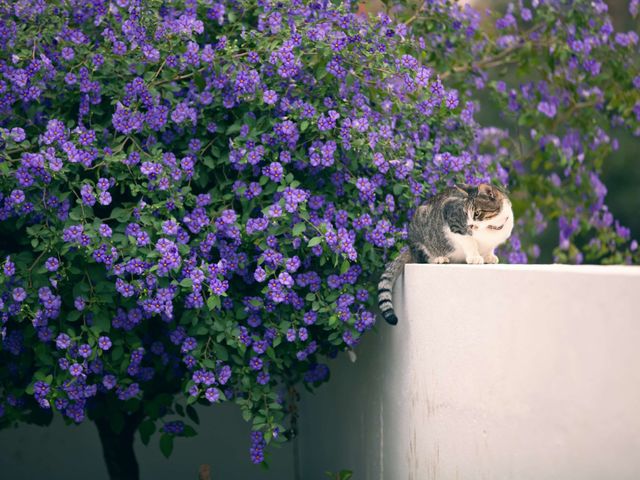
158, 71
415, 16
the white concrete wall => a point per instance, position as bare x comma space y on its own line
493, 372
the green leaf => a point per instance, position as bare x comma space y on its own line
166, 444
101, 323
246, 415
209, 363
314, 241
75, 213
298, 229
233, 128
221, 352
116, 353
345, 266
213, 302
120, 214
147, 428
199, 81
193, 415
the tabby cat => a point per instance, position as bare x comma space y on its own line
462, 224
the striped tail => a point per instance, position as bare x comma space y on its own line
385, 286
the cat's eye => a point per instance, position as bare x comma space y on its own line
488, 194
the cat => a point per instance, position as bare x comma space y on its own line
461, 224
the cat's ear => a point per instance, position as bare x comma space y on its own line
500, 187
465, 188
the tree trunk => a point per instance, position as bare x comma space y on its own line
117, 448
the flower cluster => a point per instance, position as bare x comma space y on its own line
196, 197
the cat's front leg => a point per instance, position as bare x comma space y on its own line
490, 257
470, 249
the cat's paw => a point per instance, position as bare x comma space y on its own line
475, 259
491, 258
439, 260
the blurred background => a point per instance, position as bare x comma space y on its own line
621, 171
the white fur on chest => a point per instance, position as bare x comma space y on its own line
489, 238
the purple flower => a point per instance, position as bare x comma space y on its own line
547, 108
303, 334
270, 97
104, 230
79, 303
451, 99
188, 344
40, 388
109, 381
67, 53
104, 198
260, 275
183, 113
17, 197
17, 134
291, 335
19, 294
84, 350
285, 279
103, 184
104, 343
255, 363
224, 374
76, 369
63, 341
174, 428
212, 394
52, 264
263, 378
310, 318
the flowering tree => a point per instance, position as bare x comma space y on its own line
197, 197
572, 82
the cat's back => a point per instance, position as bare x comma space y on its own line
428, 221
435, 204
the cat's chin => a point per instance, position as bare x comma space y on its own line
497, 220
